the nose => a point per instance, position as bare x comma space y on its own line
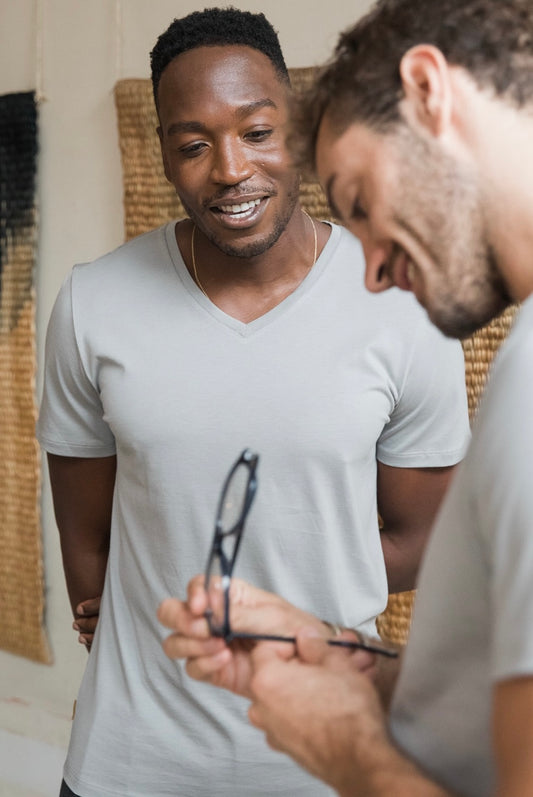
231, 164
377, 275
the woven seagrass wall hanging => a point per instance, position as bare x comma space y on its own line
21, 566
150, 201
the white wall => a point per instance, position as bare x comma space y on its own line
86, 47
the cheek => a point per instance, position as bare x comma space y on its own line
187, 178
276, 160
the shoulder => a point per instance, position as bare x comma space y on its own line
506, 401
128, 275
135, 255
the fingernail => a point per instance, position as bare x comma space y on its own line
76, 627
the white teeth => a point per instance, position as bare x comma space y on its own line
240, 208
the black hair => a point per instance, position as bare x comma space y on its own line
216, 26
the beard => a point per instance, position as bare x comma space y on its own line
241, 249
459, 316
443, 209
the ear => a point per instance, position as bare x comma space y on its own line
163, 154
425, 75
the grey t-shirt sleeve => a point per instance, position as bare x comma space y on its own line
71, 419
504, 501
429, 426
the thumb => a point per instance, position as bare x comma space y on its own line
311, 646
89, 607
265, 653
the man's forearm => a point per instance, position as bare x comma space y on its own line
383, 771
85, 569
82, 489
402, 554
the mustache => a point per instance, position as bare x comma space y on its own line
240, 192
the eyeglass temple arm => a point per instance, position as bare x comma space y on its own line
340, 643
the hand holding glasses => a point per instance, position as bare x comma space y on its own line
235, 501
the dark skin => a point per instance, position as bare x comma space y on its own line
223, 113
82, 490
408, 500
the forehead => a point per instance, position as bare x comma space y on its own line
348, 150
347, 159
210, 78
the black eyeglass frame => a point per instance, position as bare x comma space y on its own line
250, 459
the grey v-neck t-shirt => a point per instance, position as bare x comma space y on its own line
141, 364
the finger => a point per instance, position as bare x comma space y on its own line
196, 595
267, 653
254, 610
314, 650
204, 668
85, 625
89, 607
86, 639
177, 646
176, 615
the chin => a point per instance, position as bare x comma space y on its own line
460, 321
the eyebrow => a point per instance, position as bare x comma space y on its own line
242, 112
329, 195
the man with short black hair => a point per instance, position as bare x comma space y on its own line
246, 324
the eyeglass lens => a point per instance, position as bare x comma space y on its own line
234, 499
232, 507
216, 595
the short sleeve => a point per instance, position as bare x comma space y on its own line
71, 415
429, 426
504, 502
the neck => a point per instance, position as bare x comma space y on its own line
290, 257
248, 287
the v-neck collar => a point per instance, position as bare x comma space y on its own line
242, 328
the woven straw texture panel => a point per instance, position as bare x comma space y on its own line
21, 567
149, 201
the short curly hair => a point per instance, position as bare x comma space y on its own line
216, 26
492, 39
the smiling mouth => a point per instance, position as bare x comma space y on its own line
235, 212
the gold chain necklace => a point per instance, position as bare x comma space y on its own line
193, 258
313, 225
193, 253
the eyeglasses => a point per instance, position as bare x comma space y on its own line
235, 501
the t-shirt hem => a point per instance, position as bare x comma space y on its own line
423, 459
76, 449
513, 669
